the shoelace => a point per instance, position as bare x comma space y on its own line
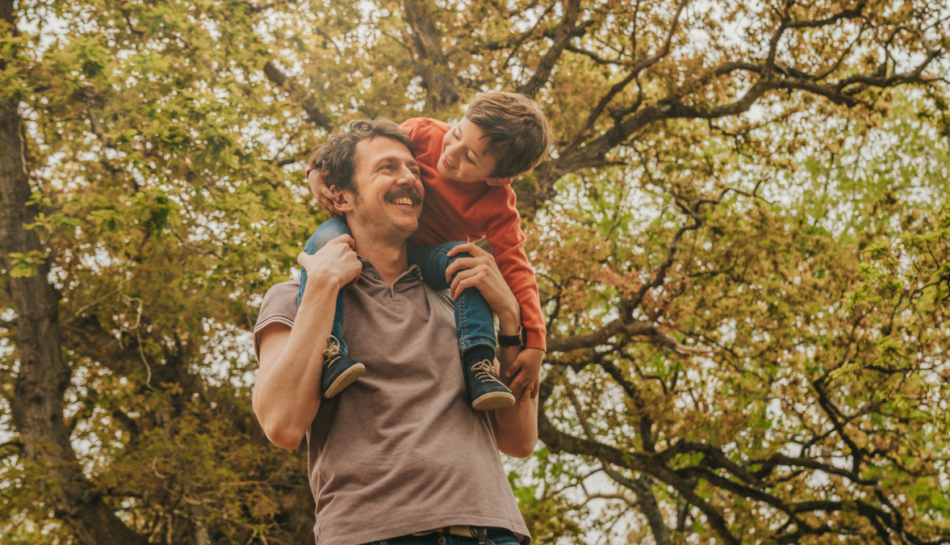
486, 371
332, 352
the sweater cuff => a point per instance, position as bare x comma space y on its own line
535, 339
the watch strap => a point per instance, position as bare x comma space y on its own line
513, 340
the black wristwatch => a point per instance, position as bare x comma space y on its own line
513, 340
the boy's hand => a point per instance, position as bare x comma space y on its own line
526, 370
317, 181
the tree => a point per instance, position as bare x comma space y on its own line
745, 303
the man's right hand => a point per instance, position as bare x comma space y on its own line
335, 262
317, 180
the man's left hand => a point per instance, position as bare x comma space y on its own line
525, 373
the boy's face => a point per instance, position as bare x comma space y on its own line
463, 157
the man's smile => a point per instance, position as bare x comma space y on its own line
405, 197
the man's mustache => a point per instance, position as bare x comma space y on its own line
405, 192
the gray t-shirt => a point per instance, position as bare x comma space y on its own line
400, 450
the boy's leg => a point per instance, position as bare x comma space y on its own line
476, 328
339, 371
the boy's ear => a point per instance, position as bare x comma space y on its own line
495, 182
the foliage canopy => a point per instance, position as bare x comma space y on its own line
742, 241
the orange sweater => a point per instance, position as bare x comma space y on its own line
453, 211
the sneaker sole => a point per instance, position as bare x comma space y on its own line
494, 400
348, 377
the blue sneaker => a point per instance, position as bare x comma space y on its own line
485, 390
339, 371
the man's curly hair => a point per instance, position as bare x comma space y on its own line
337, 156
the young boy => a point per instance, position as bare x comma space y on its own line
466, 170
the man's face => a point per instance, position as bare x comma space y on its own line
390, 195
464, 158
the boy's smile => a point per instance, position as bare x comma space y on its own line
464, 156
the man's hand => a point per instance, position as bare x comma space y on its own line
335, 262
317, 180
525, 374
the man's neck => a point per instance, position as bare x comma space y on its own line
388, 257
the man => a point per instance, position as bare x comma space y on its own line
400, 453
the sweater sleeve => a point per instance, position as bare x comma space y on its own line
507, 244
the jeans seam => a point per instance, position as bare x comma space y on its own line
463, 328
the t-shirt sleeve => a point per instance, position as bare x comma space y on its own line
279, 306
507, 243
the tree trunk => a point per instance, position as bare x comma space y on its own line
42, 378
432, 66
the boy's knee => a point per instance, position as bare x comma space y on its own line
321, 237
320, 240
460, 255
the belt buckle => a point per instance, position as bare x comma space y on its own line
462, 531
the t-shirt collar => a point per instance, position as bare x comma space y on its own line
371, 274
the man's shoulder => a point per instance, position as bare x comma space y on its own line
442, 296
279, 304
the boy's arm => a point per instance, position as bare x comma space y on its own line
507, 246
507, 243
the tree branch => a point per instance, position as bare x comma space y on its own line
620, 86
572, 10
298, 94
647, 503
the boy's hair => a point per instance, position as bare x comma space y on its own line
338, 154
517, 131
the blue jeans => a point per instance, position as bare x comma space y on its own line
473, 316
494, 536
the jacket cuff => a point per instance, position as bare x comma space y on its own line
535, 339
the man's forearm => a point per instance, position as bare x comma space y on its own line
287, 395
516, 428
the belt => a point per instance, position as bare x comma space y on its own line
460, 531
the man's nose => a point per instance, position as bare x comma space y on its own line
406, 176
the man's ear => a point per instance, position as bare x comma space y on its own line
495, 182
343, 200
